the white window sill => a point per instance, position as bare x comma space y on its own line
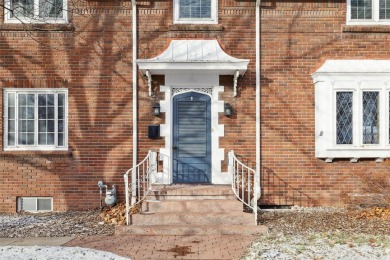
368, 23
354, 153
36, 27
34, 148
22, 20
195, 21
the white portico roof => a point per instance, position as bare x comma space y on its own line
195, 56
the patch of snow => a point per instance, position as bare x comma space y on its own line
54, 252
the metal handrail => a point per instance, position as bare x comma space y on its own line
140, 181
243, 179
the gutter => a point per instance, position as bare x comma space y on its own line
257, 190
135, 101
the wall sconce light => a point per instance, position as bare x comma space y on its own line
228, 110
156, 109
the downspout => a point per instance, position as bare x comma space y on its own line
135, 101
257, 190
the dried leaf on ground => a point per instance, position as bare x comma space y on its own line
377, 212
117, 215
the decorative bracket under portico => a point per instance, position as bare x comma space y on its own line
149, 78
235, 83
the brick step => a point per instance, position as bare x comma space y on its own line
192, 190
228, 218
183, 230
195, 206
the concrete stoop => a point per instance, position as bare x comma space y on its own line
192, 210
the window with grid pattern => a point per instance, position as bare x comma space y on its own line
368, 12
35, 11
35, 119
195, 11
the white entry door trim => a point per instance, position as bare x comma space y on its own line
217, 131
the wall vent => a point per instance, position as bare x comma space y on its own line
35, 204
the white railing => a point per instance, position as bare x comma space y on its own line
243, 179
141, 183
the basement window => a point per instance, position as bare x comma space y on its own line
35, 204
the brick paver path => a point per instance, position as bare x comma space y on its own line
140, 247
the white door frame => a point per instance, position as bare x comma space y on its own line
201, 84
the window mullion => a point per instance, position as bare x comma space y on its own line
375, 10
66, 119
36, 119
16, 119
382, 116
357, 118
56, 119
36, 9
5, 134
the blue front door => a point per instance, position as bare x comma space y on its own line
191, 138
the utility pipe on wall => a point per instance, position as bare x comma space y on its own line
135, 101
258, 110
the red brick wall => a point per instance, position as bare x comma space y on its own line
92, 58
297, 37
93, 61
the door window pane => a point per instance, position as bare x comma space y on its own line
344, 117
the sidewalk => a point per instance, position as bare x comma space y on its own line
34, 241
156, 247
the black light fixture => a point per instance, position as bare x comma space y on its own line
156, 109
228, 110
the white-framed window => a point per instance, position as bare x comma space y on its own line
35, 11
368, 12
356, 114
35, 204
35, 119
352, 104
195, 11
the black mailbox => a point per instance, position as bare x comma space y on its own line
154, 131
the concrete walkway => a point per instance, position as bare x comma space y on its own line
34, 241
156, 247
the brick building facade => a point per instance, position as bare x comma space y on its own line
89, 58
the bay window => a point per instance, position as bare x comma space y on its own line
352, 109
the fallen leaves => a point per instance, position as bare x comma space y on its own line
347, 221
377, 212
53, 224
117, 215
